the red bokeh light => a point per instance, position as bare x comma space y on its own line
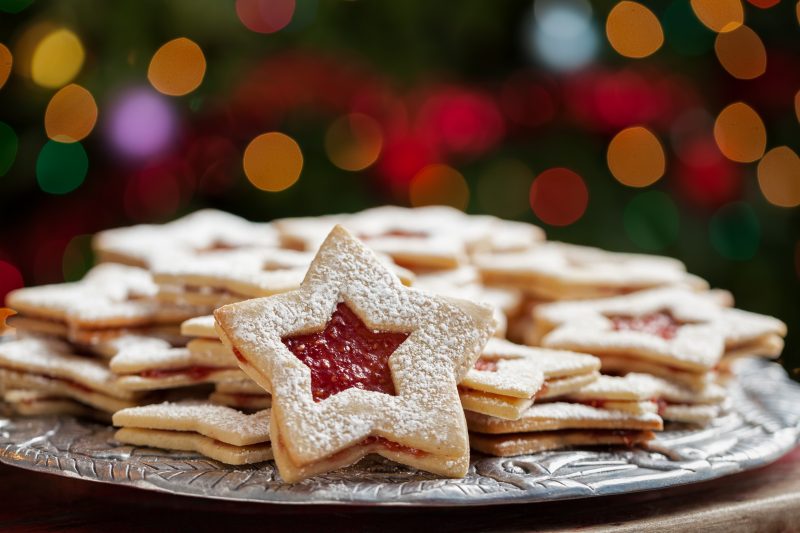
705, 177
526, 101
265, 16
559, 196
10, 279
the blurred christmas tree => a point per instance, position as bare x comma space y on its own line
664, 127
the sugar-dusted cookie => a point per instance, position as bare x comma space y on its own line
557, 271
508, 377
31, 402
673, 327
218, 432
200, 326
109, 301
147, 367
357, 363
196, 233
50, 366
242, 394
526, 443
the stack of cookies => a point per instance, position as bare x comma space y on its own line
415, 334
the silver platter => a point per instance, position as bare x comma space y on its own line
763, 424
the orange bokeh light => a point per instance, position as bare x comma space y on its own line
741, 53
779, 177
177, 68
6, 61
635, 157
633, 30
70, 115
719, 15
740, 133
559, 197
354, 142
273, 161
439, 185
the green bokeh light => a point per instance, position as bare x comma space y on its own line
735, 231
684, 32
61, 168
652, 221
14, 6
78, 258
8, 147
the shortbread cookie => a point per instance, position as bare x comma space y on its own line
221, 433
145, 368
553, 416
241, 394
111, 300
5, 312
48, 365
200, 326
199, 232
357, 363
673, 327
508, 377
35, 403
527, 443
558, 271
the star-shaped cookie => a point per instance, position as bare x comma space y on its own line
357, 364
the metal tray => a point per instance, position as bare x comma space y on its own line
762, 425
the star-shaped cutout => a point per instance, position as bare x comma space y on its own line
428, 342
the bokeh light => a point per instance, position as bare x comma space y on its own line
559, 196
764, 4
177, 68
14, 6
797, 105
273, 161
779, 177
704, 176
684, 32
633, 30
141, 123
719, 15
636, 157
741, 53
561, 34
439, 185
78, 257
6, 60
740, 133
8, 147
61, 168
70, 115
10, 279
735, 231
265, 16
502, 189
353, 142
152, 193
651, 221
57, 59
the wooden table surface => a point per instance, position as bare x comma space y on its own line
767, 499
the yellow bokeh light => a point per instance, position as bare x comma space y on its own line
70, 115
5, 64
354, 142
633, 30
177, 68
636, 157
779, 177
439, 185
719, 15
273, 161
740, 133
57, 59
741, 53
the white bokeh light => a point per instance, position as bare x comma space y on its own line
561, 35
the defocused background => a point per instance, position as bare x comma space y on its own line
668, 127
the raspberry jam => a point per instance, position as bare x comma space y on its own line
403, 234
661, 323
486, 365
346, 354
392, 446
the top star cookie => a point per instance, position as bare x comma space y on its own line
358, 363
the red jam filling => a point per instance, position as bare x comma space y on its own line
392, 446
239, 356
486, 365
597, 404
661, 323
195, 373
346, 354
